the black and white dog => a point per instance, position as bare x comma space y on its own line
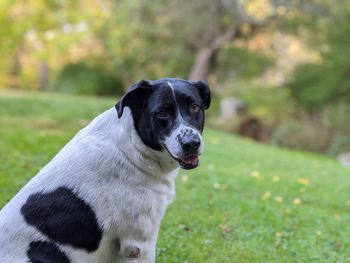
102, 197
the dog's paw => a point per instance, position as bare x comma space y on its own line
132, 252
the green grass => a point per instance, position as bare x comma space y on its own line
245, 203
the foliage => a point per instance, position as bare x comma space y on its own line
325, 131
301, 135
242, 64
90, 46
145, 44
339, 145
245, 203
328, 82
271, 104
30, 31
81, 78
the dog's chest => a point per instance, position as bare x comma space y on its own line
138, 205
132, 208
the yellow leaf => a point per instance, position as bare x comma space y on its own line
276, 179
184, 178
225, 229
266, 195
216, 186
279, 234
303, 181
279, 199
297, 201
256, 175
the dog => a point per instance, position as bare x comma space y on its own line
103, 196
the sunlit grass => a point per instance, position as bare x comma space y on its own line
245, 203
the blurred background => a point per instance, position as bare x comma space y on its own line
279, 69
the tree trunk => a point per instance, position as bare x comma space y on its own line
15, 71
203, 64
205, 60
43, 75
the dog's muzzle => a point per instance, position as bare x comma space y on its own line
190, 144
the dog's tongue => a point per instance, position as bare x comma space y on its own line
191, 160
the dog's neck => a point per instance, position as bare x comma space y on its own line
121, 131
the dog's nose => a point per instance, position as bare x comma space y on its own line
190, 143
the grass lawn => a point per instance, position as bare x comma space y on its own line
245, 203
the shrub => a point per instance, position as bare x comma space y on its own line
303, 135
339, 144
81, 78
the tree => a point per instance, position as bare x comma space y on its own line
225, 22
328, 82
34, 31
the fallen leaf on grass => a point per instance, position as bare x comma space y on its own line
184, 178
256, 175
266, 195
186, 228
297, 201
225, 229
216, 186
279, 199
276, 179
279, 236
303, 181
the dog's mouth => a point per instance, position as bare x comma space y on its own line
187, 162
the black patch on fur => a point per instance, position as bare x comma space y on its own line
135, 98
63, 217
204, 92
45, 252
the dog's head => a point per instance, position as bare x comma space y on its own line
168, 116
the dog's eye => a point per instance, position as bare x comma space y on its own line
162, 114
194, 108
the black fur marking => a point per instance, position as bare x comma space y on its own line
45, 252
204, 92
63, 217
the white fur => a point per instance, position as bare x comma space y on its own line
173, 145
109, 167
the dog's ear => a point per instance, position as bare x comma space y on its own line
204, 92
135, 97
